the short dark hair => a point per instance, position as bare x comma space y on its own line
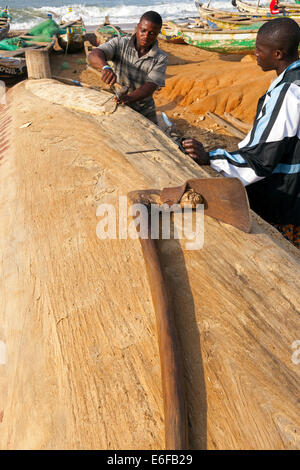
153, 17
283, 33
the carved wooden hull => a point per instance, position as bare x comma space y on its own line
79, 359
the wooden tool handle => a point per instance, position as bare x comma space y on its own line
175, 410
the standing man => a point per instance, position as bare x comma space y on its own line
268, 159
138, 62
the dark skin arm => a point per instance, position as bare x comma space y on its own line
196, 151
97, 60
139, 94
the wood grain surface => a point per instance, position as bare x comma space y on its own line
82, 363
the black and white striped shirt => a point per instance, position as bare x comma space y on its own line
268, 159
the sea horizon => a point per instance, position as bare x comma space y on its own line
28, 13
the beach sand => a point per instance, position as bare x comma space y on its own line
197, 81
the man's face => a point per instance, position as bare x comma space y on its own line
147, 33
266, 54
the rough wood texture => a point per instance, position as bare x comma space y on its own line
38, 64
76, 313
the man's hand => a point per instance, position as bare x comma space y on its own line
196, 151
124, 99
109, 77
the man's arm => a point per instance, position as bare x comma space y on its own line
97, 59
261, 152
139, 94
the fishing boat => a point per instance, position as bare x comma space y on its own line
225, 41
107, 31
12, 69
169, 33
291, 8
12, 55
83, 363
71, 39
256, 15
205, 11
4, 27
234, 22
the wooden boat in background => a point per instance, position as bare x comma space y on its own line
12, 69
257, 15
80, 364
4, 27
255, 9
73, 39
13, 62
107, 31
235, 22
225, 41
169, 33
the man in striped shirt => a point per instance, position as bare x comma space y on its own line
268, 159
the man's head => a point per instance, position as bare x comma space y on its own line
277, 44
148, 29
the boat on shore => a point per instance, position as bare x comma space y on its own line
71, 39
79, 357
234, 22
243, 14
108, 31
12, 55
169, 33
4, 27
292, 9
12, 69
234, 41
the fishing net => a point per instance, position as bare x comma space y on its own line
12, 44
46, 29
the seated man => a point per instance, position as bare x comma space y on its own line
268, 159
138, 62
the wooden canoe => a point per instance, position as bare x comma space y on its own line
235, 23
224, 41
73, 40
243, 13
4, 27
254, 9
13, 63
107, 31
169, 33
79, 359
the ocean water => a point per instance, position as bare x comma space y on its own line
27, 13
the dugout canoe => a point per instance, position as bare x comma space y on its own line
206, 12
13, 63
224, 41
246, 7
169, 33
4, 27
235, 22
107, 31
73, 39
80, 365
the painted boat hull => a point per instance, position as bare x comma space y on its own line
4, 29
230, 42
12, 69
253, 9
73, 40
